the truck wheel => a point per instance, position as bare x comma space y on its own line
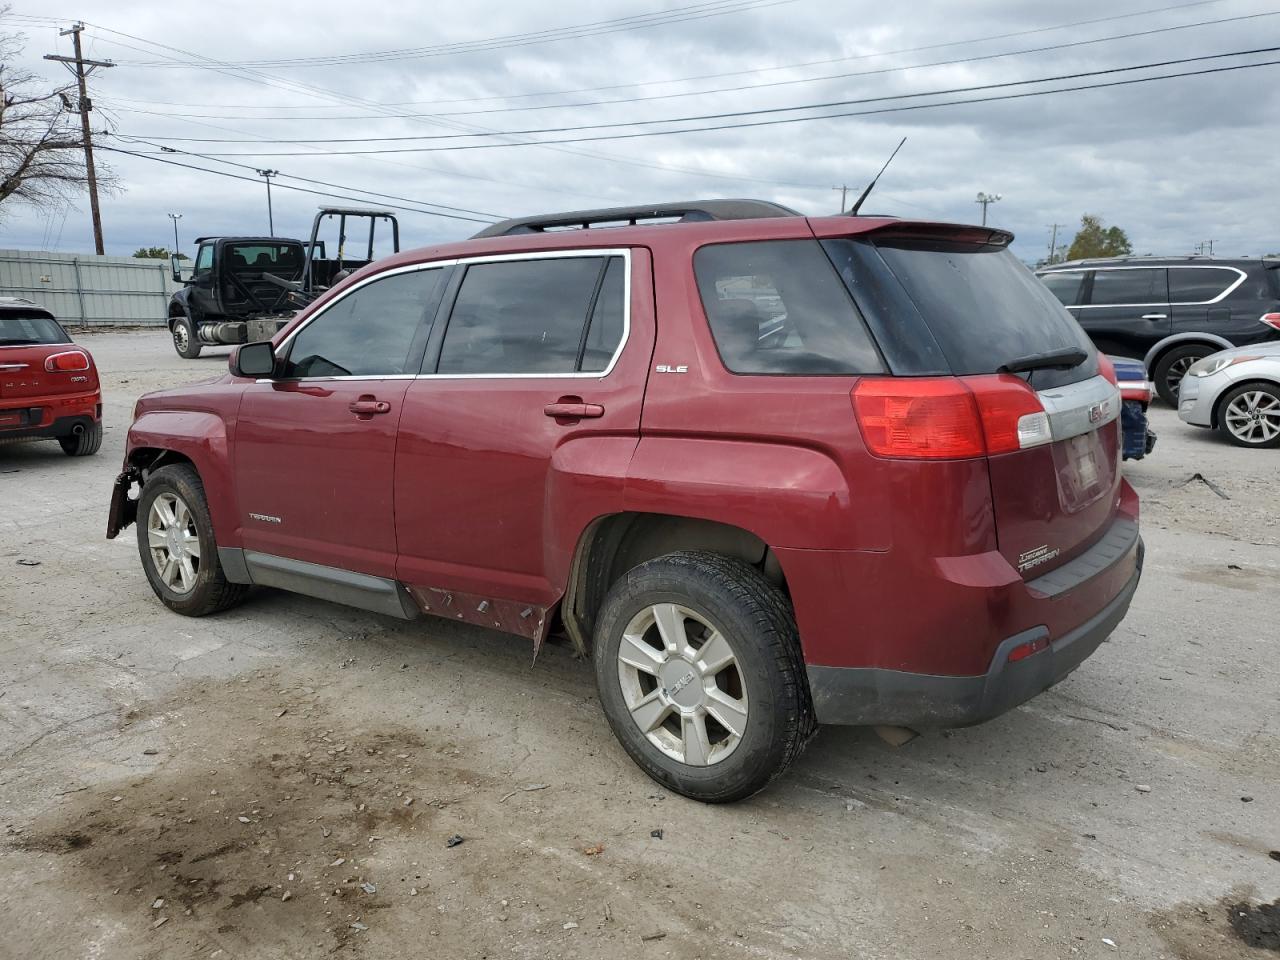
700, 674
175, 542
185, 339
1170, 369
1250, 415
83, 444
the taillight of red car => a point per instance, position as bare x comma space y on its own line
949, 418
1271, 320
71, 361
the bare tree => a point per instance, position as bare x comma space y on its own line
41, 145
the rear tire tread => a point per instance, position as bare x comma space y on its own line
85, 444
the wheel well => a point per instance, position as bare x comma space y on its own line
612, 545
1155, 359
1215, 419
146, 460
176, 311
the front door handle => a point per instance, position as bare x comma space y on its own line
572, 408
1155, 316
367, 405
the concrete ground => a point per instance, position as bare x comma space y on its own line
283, 780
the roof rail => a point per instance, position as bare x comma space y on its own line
691, 212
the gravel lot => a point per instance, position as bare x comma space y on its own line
282, 780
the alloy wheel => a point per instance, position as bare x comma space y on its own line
180, 336
173, 542
682, 684
1177, 370
1253, 417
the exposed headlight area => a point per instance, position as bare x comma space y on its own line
1215, 364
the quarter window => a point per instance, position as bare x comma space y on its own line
1199, 285
1124, 287
550, 316
778, 306
369, 332
1066, 286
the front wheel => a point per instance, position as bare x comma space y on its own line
700, 674
185, 339
1173, 366
1250, 415
83, 444
176, 544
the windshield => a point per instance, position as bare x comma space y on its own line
22, 329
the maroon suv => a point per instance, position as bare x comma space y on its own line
769, 471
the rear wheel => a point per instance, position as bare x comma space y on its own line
1173, 366
1250, 415
83, 444
185, 339
175, 542
700, 675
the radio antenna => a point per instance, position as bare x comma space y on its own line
872, 185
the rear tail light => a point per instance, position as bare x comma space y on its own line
73, 361
1107, 369
949, 418
1271, 320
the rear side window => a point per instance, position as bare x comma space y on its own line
1067, 286
549, 316
1199, 284
982, 306
779, 307
21, 329
369, 331
1129, 286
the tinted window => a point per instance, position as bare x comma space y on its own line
24, 328
778, 306
369, 331
1120, 287
521, 316
1065, 286
264, 256
604, 333
983, 307
1198, 285
204, 258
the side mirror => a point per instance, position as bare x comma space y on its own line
173, 264
253, 360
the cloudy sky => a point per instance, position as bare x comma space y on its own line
1174, 161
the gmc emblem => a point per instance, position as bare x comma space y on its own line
1096, 412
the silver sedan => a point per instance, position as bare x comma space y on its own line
1236, 392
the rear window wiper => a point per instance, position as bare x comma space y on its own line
1062, 359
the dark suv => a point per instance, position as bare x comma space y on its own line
768, 471
1170, 312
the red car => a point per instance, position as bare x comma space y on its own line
769, 471
48, 385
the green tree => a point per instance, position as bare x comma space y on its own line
1095, 240
155, 253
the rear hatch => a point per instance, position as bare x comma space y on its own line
32, 342
955, 301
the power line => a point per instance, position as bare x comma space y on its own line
735, 89
785, 120
823, 105
698, 11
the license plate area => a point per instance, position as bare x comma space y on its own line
1081, 466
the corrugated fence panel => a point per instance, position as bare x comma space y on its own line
82, 289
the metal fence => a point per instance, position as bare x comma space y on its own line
82, 289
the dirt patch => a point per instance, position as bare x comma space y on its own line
1223, 930
1258, 926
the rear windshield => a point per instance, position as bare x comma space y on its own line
981, 305
21, 329
286, 257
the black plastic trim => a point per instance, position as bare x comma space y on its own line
377, 594
1114, 546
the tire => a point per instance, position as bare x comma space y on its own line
1173, 364
1249, 415
762, 695
202, 589
185, 340
84, 444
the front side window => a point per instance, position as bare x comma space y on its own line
204, 258
369, 332
1199, 284
550, 316
778, 306
1066, 286
1124, 287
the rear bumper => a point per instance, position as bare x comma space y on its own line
48, 427
870, 695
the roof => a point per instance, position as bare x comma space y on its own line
690, 211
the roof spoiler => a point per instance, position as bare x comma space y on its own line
948, 232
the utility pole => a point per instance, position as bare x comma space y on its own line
267, 175
844, 195
986, 199
175, 217
85, 105
1053, 240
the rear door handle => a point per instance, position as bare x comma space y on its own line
367, 406
1155, 316
573, 409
